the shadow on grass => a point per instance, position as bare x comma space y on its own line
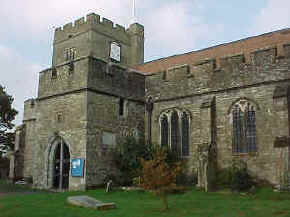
8, 188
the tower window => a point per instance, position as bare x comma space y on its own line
53, 73
70, 54
71, 68
121, 107
59, 117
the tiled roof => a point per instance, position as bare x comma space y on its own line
243, 46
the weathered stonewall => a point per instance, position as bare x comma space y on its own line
89, 202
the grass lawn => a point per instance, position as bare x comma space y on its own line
137, 204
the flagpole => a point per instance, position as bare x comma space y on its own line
134, 12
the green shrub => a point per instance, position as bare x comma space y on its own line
236, 177
224, 177
184, 179
240, 178
127, 158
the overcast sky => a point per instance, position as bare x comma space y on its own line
171, 27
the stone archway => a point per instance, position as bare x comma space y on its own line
57, 166
61, 166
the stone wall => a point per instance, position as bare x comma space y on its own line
65, 116
111, 87
83, 108
29, 136
189, 86
93, 103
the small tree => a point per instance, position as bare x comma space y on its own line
7, 115
159, 176
127, 158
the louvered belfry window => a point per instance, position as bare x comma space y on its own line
244, 128
164, 131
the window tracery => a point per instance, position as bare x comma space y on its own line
174, 131
244, 127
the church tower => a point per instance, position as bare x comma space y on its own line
87, 102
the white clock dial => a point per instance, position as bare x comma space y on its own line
115, 53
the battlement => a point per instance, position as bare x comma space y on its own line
93, 21
29, 109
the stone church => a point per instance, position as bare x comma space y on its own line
230, 100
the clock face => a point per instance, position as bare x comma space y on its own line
115, 53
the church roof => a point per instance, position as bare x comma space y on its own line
276, 39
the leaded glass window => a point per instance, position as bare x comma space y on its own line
251, 130
244, 127
174, 131
164, 131
185, 135
175, 135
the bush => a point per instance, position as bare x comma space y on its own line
235, 177
184, 179
127, 158
224, 177
240, 178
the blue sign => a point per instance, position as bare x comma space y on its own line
77, 167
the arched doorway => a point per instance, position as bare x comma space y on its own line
61, 166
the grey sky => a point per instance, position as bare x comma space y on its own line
171, 27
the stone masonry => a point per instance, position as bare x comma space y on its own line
91, 102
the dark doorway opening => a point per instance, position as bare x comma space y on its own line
61, 166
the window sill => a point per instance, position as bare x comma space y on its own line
245, 154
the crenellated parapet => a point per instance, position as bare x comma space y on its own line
30, 110
232, 62
91, 21
264, 65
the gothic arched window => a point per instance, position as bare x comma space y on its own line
174, 131
244, 127
185, 134
164, 131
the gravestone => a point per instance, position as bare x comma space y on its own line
89, 202
109, 186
